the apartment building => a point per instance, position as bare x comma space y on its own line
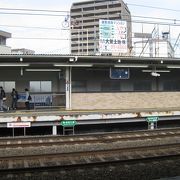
85, 18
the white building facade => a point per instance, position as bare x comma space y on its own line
4, 49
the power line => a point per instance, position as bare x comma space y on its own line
32, 14
153, 7
43, 38
30, 27
150, 17
40, 10
39, 14
64, 29
57, 15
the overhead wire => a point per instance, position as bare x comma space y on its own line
66, 13
40, 10
153, 7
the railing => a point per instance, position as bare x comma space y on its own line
39, 100
55, 100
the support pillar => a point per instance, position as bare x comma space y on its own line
54, 130
68, 87
152, 126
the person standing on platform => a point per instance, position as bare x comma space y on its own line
14, 95
2, 97
28, 98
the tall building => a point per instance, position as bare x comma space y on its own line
85, 18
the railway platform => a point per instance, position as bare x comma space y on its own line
55, 117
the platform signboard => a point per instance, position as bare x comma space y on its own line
19, 124
152, 119
68, 123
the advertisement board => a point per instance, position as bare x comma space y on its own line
112, 36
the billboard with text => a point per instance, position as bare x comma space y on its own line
112, 36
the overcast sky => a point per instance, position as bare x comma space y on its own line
31, 26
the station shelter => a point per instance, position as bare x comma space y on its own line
92, 82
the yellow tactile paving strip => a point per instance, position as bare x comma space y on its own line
70, 112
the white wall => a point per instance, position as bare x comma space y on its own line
5, 50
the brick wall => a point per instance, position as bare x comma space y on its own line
125, 100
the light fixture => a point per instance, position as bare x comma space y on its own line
14, 64
21, 59
73, 59
173, 66
21, 72
43, 70
131, 65
148, 70
73, 65
119, 60
155, 74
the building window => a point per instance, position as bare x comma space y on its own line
142, 86
171, 86
40, 86
107, 86
79, 86
7, 85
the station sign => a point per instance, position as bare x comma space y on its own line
68, 123
19, 124
152, 119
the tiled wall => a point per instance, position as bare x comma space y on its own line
125, 100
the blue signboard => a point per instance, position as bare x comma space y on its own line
119, 73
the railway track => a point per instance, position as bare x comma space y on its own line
84, 139
84, 150
89, 158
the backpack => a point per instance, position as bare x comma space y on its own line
3, 94
29, 98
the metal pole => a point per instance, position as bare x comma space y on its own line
13, 131
54, 130
95, 45
78, 42
87, 41
70, 37
24, 131
152, 126
68, 88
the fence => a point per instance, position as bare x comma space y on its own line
39, 100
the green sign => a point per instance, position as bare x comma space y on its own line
152, 119
67, 123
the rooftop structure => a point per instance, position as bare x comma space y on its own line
3, 48
153, 44
22, 51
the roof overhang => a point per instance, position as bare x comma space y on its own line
5, 34
41, 60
